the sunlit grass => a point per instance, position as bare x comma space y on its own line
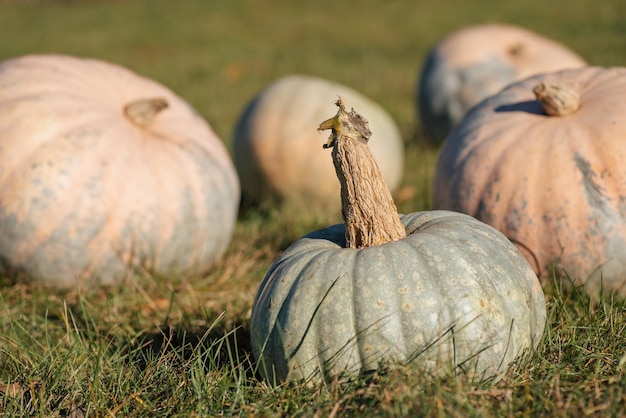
63, 353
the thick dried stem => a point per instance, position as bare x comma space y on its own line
556, 100
370, 215
143, 111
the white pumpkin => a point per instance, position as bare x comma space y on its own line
276, 143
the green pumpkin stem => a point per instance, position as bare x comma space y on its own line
556, 100
370, 215
142, 112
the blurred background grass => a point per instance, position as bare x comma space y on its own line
218, 55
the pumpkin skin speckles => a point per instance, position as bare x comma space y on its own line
374, 331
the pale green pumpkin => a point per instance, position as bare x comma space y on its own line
453, 293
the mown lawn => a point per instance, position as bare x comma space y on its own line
176, 347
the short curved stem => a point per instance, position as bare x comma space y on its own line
557, 100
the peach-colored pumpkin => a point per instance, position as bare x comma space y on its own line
555, 185
477, 61
87, 195
277, 148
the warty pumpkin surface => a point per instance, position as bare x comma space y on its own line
276, 146
445, 292
474, 62
555, 185
92, 190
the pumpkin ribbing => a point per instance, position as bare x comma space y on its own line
368, 209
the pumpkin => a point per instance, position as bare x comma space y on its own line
543, 161
275, 146
436, 289
104, 173
477, 61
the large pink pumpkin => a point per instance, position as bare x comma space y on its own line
477, 61
276, 143
554, 184
89, 194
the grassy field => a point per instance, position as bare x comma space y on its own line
181, 348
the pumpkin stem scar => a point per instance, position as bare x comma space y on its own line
142, 112
370, 215
556, 100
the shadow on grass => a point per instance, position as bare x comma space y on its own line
216, 348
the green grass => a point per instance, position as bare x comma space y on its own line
181, 348
114, 353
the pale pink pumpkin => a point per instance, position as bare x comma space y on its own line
276, 144
554, 184
477, 61
90, 192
